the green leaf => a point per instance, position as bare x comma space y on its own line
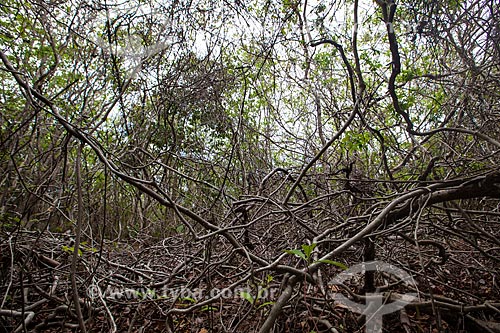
209, 308
335, 263
265, 304
188, 299
71, 249
246, 295
180, 229
308, 249
297, 253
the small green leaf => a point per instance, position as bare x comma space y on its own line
265, 304
209, 308
247, 296
188, 299
71, 249
297, 253
308, 249
336, 263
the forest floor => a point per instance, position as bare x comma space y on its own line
159, 286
